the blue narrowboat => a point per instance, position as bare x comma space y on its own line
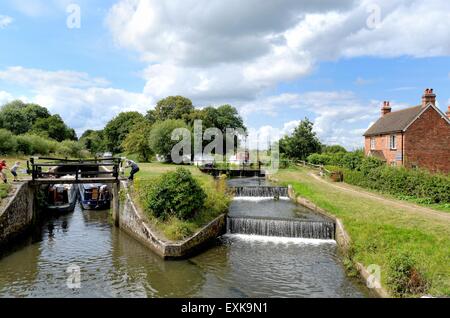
95, 196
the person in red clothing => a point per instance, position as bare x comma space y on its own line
3, 167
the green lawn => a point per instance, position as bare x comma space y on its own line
174, 229
10, 161
380, 230
4, 189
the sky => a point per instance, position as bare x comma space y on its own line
276, 61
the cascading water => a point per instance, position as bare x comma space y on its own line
253, 212
260, 191
281, 228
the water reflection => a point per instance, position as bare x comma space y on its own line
115, 265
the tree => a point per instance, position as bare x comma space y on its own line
172, 107
118, 128
333, 149
93, 141
35, 112
13, 118
53, 127
161, 136
301, 143
8, 142
138, 141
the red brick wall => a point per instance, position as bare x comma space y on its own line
383, 143
427, 143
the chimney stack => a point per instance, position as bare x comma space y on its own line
386, 109
448, 112
428, 97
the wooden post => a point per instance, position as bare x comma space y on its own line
115, 204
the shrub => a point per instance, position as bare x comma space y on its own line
30, 144
403, 278
8, 142
70, 148
4, 189
175, 194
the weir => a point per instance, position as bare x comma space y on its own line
260, 191
274, 218
281, 228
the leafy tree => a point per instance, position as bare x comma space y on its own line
35, 112
8, 142
138, 141
161, 136
301, 143
333, 149
13, 118
172, 107
53, 127
151, 116
118, 128
93, 141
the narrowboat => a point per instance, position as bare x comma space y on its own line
95, 196
62, 197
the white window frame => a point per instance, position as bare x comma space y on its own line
393, 142
373, 143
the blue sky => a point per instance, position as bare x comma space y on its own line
277, 62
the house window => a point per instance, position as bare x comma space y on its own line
372, 143
393, 141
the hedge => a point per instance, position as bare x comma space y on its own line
401, 182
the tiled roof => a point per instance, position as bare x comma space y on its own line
394, 121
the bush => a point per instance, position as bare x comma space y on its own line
402, 182
8, 142
70, 148
403, 277
30, 144
175, 194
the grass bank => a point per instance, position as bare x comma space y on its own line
4, 189
381, 231
174, 229
10, 161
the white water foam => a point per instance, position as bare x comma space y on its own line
278, 240
259, 199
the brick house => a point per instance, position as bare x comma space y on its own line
418, 136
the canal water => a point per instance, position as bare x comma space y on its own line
112, 264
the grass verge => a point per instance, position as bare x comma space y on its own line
381, 232
174, 229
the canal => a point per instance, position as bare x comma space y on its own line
112, 264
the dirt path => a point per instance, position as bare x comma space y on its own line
409, 207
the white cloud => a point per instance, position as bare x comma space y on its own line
339, 116
214, 51
5, 97
82, 101
5, 21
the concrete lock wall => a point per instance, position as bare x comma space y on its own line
18, 215
343, 239
132, 222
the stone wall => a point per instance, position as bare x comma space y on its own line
132, 222
18, 215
